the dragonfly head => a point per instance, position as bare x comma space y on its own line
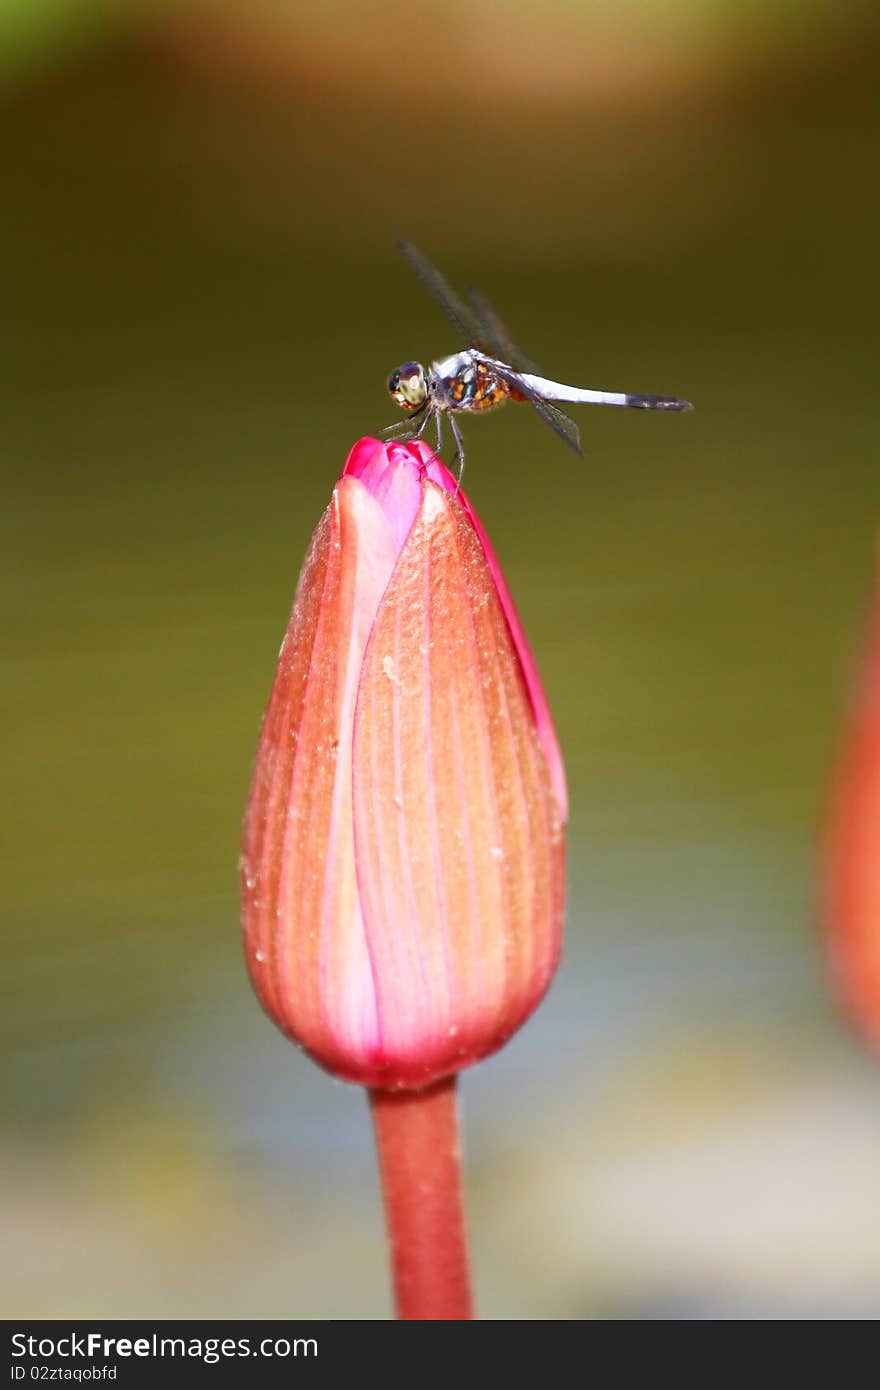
408, 386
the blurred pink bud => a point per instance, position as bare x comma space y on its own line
403, 865
852, 868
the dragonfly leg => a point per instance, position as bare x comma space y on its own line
404, 430
399, 430
423, 426
459, 449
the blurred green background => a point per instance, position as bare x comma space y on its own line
201, 303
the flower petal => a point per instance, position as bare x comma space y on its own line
540, 707
852, 857
391, 473
378, 466
458, 831
303, 931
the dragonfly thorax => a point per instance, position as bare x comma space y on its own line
408, 386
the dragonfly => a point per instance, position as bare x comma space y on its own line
488, 371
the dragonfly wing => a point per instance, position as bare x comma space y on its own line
458, 313
557, 419
494, 335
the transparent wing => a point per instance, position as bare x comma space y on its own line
460, 316
495, 337
557, 419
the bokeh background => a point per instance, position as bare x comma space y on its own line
201, 301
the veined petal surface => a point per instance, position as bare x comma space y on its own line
304, 936
458, 830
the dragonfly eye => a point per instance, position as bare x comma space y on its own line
408, 386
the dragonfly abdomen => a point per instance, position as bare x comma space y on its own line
558, 391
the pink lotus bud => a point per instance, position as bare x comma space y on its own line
852, 878
403, 865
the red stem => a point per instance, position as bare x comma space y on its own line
420, 1167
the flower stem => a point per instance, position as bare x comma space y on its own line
420, 1167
